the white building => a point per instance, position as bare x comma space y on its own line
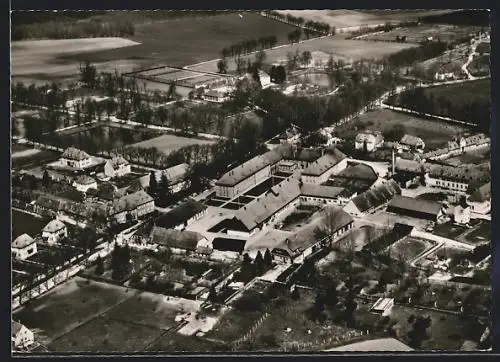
136, 205
461, 214
383, 306
480, 200
84, 182
412, 142
54, 231
369, 140
23, 247
75, 158
265, 79
21, 336
331, 163
217, 95
117, 167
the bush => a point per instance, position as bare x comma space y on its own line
249, 303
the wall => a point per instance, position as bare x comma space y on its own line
352, 209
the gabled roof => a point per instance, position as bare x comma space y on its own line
176, 173
313, 190
16, 328
130, 202
411, 140
72, 153
22, 241
419, 205
408, 165
85, 180
172, 238
117, 161
376, 196
226, 244
54, 226
180, 214
376, 136
482, 193
359, 172
324, 163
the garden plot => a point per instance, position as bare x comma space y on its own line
481, 234
26, 223
409, 248
170, 143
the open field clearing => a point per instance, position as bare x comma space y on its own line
458, 94
480, 235
175, 342
26, 223
417, 34
449, 230
473, 157
435, 134
169, 143
69, 305
37, 60
187, 41
348, 50
348, 18
34, 159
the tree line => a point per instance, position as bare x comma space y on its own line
249, 46
429, 49
310, 25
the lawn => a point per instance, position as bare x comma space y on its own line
457, 94
170, 143
409, 248
68, 305
26, 223
174, 342
31, 159
480, 235
104, 334
435, 134
473, 157
449, 230
233, 324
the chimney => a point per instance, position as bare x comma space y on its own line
393, 162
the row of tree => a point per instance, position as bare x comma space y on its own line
317, 26
427, 50
248, 46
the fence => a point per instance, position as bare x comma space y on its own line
252, 330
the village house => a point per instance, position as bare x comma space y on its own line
216, 95
21, 337
412, 143
179, 242
331, 163
84, 182
416, 208
383, 306
455, 179
117, 167
297, 248
320, 194
132, 206
464, 144
462, 212
373, 199
75, 158
176, 176
54, 231
47, 205
368, 141
183, 215
480, 200
23, 247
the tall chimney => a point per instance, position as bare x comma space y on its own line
393, 163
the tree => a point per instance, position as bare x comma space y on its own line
222, 66
419, 332
164, 189
99, 270
268, 259
259, 262
46, 179
153, 185
305, 58
88, 74
295, 294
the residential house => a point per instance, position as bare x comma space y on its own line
47, 205
132, 206
54, 231
320, 194
216, 95
23, 247
75, 158
383, 306
480, 200
461, 213
373, 199
331, 163
84, 182
178, 241
21, 337
417, 208
412, 143
464, 144
456, 179
176, 176
117, 167
368, 141
183, 215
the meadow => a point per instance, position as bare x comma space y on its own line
169, 143
457, 94
26, 223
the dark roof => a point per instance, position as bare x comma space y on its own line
16, 327
482, 193
180, 214
301, 154
417, 205
49, 202
72, 153
324, 163
130, 202
376, 196
470, 175
172, 238
86, 209
359, 172
411, 140
313, 190
225, 244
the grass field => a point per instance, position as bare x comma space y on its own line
480, 235
26, 223
174, 342
348, 50
449, 230
435, 134
169, 143
473, 157
34, 159
479, 90
409, 248
233, 325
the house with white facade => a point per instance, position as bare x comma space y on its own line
383, 306
373, 199
75, 158
131, 206
84, 182
177, 241
23, 247
54, 231
183, 215
369, 141
461, 214
455, 179
412, 143
331, 163
117, 167
480, 200
21, 337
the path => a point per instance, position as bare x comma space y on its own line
470, 59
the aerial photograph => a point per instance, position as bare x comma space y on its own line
271, 181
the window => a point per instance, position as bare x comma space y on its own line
30, 250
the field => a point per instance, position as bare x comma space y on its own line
175, 342
435, 134
169, 143
473, 157
233, 325
409, 248
478, 90
348, 18
33, 158
481, 234
422, 32
348, 50
37, 60
25, 223
480, 66
449, 230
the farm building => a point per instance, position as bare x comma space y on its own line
383, 306
456, 179
75, 158
23, 247
368, 141
480, 200
373, 199
54, 231
319, 194
470, 143
181, 216
295, 249
412, 143
21, 336
84, 182
331, 163
417, 208
216, 95
178, 241
117, 167
229, 245
176, 176
136, 205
